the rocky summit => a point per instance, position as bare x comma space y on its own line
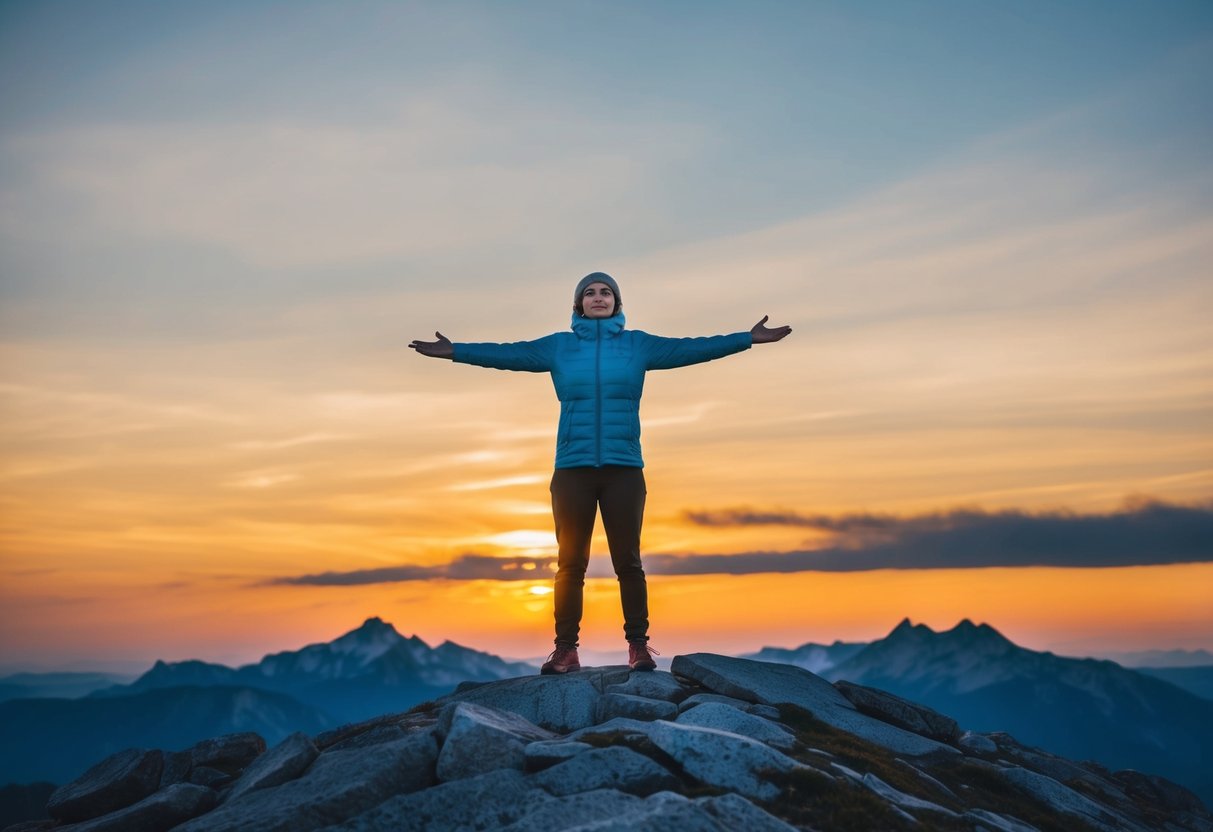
717, 743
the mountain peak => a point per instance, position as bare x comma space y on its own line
374, 638
965, 632
906, 629
375, 625
971, 632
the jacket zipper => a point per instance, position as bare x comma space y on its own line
598, 393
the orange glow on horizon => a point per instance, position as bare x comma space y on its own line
1071, 611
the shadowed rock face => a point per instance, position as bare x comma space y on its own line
718, 744
900, 712
114, 783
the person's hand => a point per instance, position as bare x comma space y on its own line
435, 349
762, 334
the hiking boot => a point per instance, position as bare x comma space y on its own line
563, 660
640, 656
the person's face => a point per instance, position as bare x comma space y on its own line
597, 301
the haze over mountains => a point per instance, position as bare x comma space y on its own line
56, 685
1162, 658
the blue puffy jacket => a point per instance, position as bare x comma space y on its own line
598, 371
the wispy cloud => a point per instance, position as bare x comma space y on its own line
288, 442
262, 479
500, 482
464, 568
282, 193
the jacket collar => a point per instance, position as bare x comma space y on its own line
588, 329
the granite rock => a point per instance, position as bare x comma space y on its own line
900, 712
159, 812
114, 783
543, 754
735, 813
576, 811
285, 761
486, 801
212, 778
176, 768
230, 752
339, 785
702, 698
477, 739
611, 705
559, 703
655, 685
718, 758
727, 718
615, 767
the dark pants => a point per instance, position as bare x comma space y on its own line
577, 494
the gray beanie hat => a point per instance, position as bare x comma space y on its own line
597, 277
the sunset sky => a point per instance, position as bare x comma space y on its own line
990, 226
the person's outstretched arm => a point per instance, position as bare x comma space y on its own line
526, 356
668, 353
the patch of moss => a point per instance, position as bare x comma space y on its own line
1087, 788
855, 753
1148, 811
813, 800
430, 707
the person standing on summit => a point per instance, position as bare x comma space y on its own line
598, 370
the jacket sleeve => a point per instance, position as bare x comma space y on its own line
526, 356
668, 353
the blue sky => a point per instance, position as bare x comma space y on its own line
709, 119
221, 223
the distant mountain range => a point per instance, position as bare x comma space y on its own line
1191, 670
56, 685
369, 671
1079, 708
1197, 680
1162, 658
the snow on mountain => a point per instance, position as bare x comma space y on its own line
351, 655
374, 654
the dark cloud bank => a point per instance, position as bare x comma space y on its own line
1142, 534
